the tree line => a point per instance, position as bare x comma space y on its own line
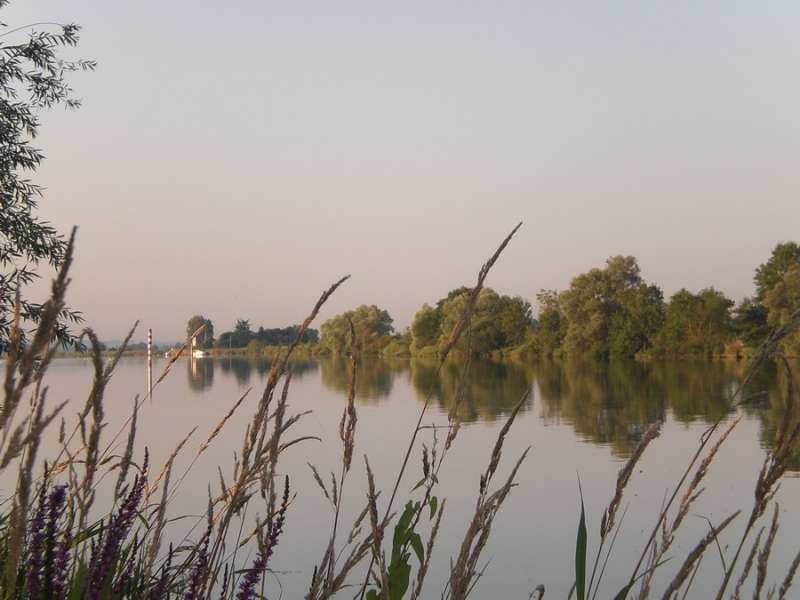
242, 335
605, 313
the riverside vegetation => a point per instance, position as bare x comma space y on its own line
605, 313
56, 542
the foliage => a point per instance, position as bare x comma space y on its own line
33, 77
206, 337
283, 336
373, 327
750, 322
611, 311
699, 323
255, 346
425, 328
243, 335
769, 274
781, 302
498, 322
551, 325
399, 346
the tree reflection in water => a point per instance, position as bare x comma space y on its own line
605, 403
493, 388
374, 376
201, 370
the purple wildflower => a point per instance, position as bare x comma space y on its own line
247, 588
198, 574
56, 503
36, 548
123, 582
61, 566
159, 590
108, 552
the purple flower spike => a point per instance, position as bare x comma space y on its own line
103, 560
198, 574
61, 567
247, 588
159, 590
56, 502
36, 548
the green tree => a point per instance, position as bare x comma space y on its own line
770, 273
750, 322
425, 328
634, 326
611, 310
33, 77
551, 325
498, 322
373, 328
699, 323
781, 302
242, 334
206, 338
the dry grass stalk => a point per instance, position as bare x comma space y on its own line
152, 487
464, 571
766, 350
537, 593
324, 581
17, 522
501, 437
688, 565
624, 475
473, 295
321, 485
455, 335
21, 363
763, 555
260, 451
125, 461
158, 529
694, 490
787, 581
90, 435
218, 427
787, 442
25, 366
377, 534
347, 426
204, 446
610, 513
748, 564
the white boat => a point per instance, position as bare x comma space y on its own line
200, 354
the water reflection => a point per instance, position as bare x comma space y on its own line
605, 403
200, 371
374, 377
492, 388
768, 396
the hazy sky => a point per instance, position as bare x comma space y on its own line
233, 158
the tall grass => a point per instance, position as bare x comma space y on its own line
56, 543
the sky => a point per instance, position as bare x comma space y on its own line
233, 159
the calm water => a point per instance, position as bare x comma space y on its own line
581, 420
